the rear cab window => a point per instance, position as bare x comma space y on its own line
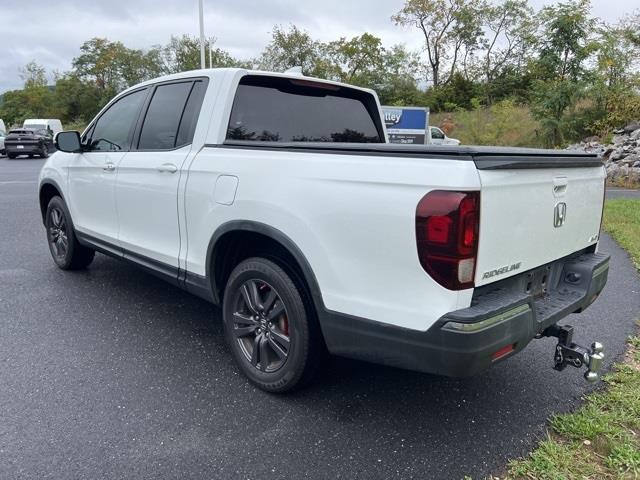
276, 109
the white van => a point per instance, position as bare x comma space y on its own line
2, 127
52, 124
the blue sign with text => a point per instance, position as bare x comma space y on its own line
406, 124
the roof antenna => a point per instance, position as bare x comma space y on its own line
295, 71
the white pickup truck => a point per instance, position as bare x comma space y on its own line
278, 198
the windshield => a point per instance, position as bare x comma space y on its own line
28, 131
35, 126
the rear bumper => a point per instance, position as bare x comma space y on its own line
28, 148
465, 342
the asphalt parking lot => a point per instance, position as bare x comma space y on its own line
613, 192
111, 373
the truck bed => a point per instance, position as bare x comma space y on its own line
485, 158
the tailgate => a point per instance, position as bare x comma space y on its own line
534, 213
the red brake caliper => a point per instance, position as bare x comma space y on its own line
283, 323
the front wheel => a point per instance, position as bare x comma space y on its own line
67, 253
270, 330
44, 151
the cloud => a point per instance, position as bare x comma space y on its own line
51, 32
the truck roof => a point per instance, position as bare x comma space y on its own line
217, 72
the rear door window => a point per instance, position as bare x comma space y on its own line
275, 109
160, 127
191, 113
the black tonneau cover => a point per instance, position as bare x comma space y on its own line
485, 158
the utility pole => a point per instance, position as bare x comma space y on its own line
202, 59
210, 53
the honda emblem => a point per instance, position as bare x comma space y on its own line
560, 215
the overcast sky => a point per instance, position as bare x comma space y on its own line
51, 32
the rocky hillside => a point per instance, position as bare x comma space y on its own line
621, 156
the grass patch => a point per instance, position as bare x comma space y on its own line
622, 222
600, 440
504, 123
632, 181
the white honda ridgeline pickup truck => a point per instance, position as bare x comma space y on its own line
278, 198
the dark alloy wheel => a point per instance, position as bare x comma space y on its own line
58, 238
261, 326
270, 325
44, 151
67, 253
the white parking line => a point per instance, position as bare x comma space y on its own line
11, 182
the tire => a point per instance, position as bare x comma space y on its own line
65, 250
11, 155
44, 152
272, 332
31, 155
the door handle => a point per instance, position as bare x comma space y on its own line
109, 167
167, 167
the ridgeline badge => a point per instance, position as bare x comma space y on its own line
501, 271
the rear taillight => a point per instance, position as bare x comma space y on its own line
447, 227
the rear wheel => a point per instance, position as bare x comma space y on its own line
11, 155
65, 250
268, 326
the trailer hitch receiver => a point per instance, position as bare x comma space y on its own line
569, 353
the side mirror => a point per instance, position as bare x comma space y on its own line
68, 142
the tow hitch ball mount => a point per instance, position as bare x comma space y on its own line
569, 353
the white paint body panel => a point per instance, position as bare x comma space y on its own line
351, 216
147, 204
517, 216
91, 193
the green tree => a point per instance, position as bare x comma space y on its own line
76, 101
560, 71
35, 100
398, 84
451, 30
359, 60
293, 47
182, 53
510, 36
33, 75
364, 61
615, 82
101, 61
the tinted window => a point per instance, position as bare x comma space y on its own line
113, 128
86, 138
437, 133
283, 110
161, 123
191, 113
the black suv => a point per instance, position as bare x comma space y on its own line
25, 141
